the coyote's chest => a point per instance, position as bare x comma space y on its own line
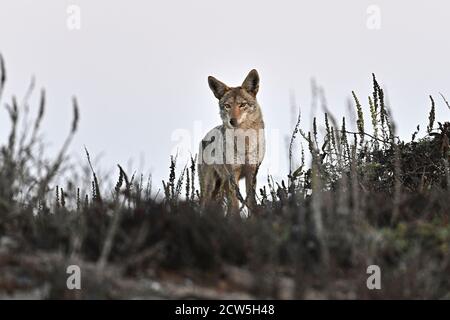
244, 146
234, 146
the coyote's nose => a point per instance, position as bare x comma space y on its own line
233, 122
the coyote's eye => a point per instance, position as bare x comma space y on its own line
226, 106
244, 104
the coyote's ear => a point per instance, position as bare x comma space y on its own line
251, 82
217, 87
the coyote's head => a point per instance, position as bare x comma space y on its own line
238, 105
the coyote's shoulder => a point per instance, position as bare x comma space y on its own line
235, 149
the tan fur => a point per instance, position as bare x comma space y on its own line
241, 117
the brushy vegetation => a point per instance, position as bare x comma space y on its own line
365, 198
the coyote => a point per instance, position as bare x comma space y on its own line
235, 149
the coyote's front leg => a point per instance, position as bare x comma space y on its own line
250, 186
231, 190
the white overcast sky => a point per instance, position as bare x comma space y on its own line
139, 68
